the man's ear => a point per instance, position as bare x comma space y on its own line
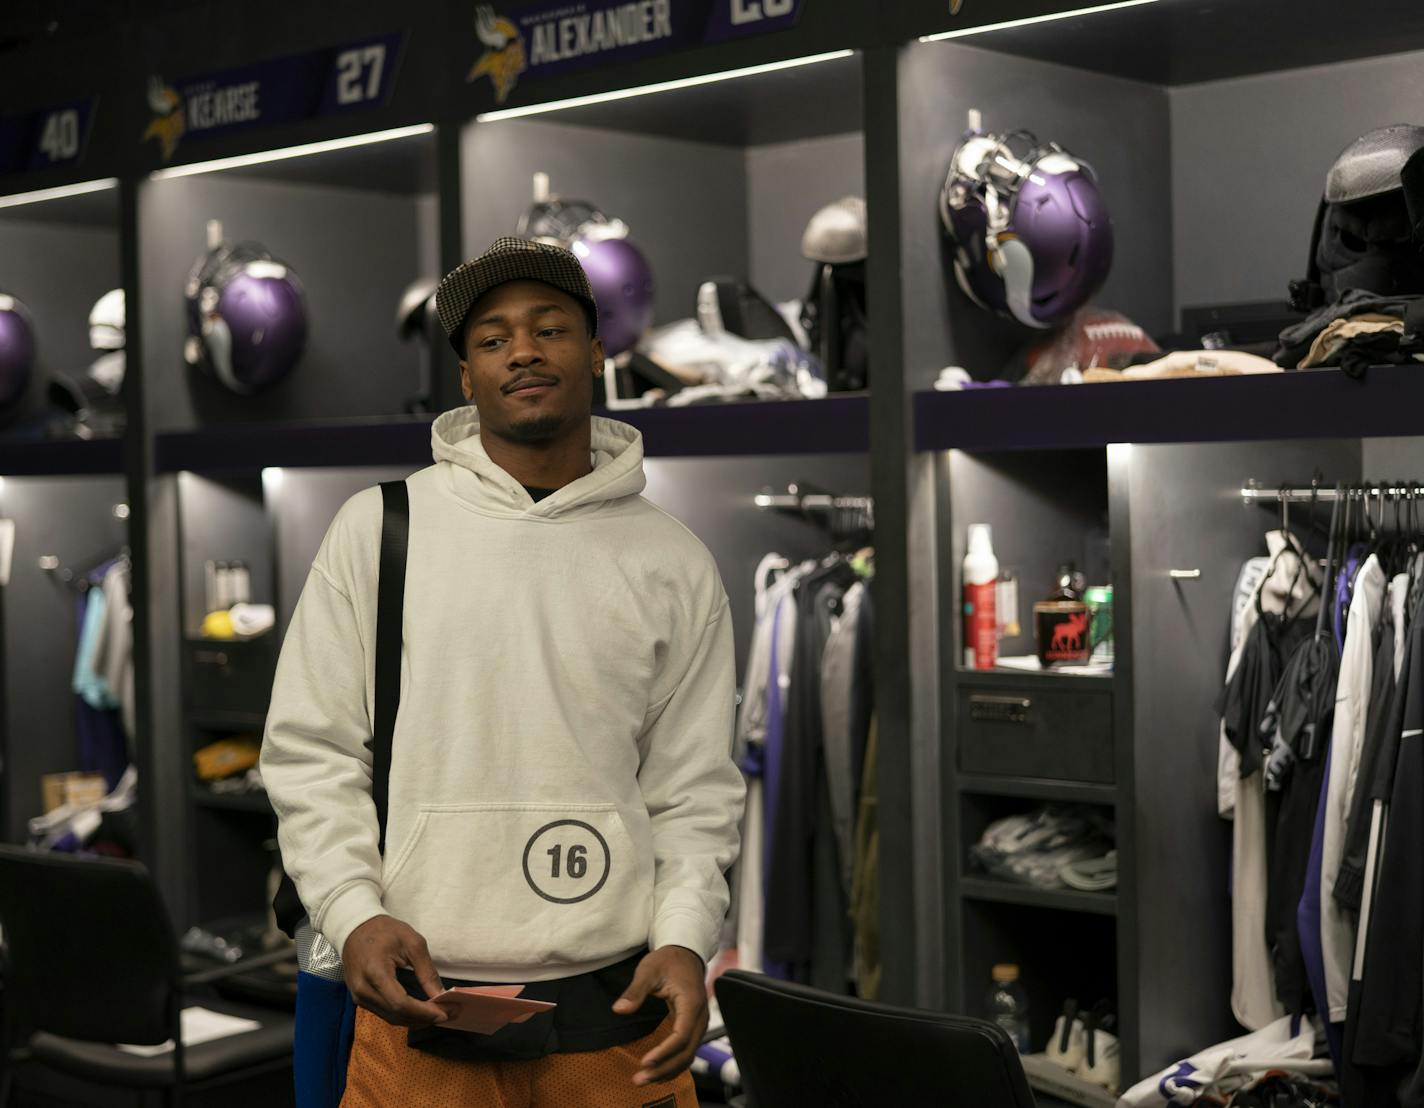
598, 357
467, 384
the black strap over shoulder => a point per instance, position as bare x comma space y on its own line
390, 613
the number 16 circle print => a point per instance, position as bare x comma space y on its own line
566, 861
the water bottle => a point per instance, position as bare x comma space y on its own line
1008, 1007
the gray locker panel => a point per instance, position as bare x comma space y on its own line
72, 519
1187, 514
354, 252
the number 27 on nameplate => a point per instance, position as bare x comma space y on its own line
358, 73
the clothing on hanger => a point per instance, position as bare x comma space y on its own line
1352, 704
1287, 590
803, 874
757, 749
1391, 958
1243, 617
845, 714
113, 655
1302, 717
88, 682
1350, 877
802, 739
105, 649
865, 876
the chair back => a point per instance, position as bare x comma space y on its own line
90, 950
797, 1045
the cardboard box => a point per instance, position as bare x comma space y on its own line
76, 788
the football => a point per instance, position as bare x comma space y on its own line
1093, 338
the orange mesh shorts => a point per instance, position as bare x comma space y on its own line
386, 1073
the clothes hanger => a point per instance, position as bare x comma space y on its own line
1291, 545
767, 570
1337, 529
1416, 579
1390, 546
1410, 519
1355, 526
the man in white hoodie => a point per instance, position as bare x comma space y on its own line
562, 800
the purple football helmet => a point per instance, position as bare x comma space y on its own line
1031, 234
17, 349
247, 318
622, 284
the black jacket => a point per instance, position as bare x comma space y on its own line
1388, 1030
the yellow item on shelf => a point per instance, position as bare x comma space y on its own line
218, 625
225, 758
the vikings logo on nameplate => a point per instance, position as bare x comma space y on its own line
504, 59
205, 106
169, 120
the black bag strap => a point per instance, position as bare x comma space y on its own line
390, 613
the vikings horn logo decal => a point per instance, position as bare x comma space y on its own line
169, 123
503, 60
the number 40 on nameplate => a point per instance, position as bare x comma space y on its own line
59, 139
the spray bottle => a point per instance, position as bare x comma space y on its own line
981, 625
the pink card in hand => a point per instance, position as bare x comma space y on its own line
484, 1009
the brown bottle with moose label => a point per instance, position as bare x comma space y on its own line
1060, 622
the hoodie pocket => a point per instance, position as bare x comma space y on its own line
522, 884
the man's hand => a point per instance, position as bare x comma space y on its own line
675, 974
373, 953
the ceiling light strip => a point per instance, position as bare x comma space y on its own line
663, 86
965, 32
286, 152
41, 195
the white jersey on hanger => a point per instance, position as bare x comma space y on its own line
771, 596
1352, 703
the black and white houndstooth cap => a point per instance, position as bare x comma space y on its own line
509, 259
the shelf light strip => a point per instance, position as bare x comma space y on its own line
965, 32
291, 152
41, 195
663, 86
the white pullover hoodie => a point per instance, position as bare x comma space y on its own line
562, 791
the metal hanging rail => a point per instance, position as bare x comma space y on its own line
1253, 493
794, 500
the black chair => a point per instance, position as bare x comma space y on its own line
92, 960
797, 1046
